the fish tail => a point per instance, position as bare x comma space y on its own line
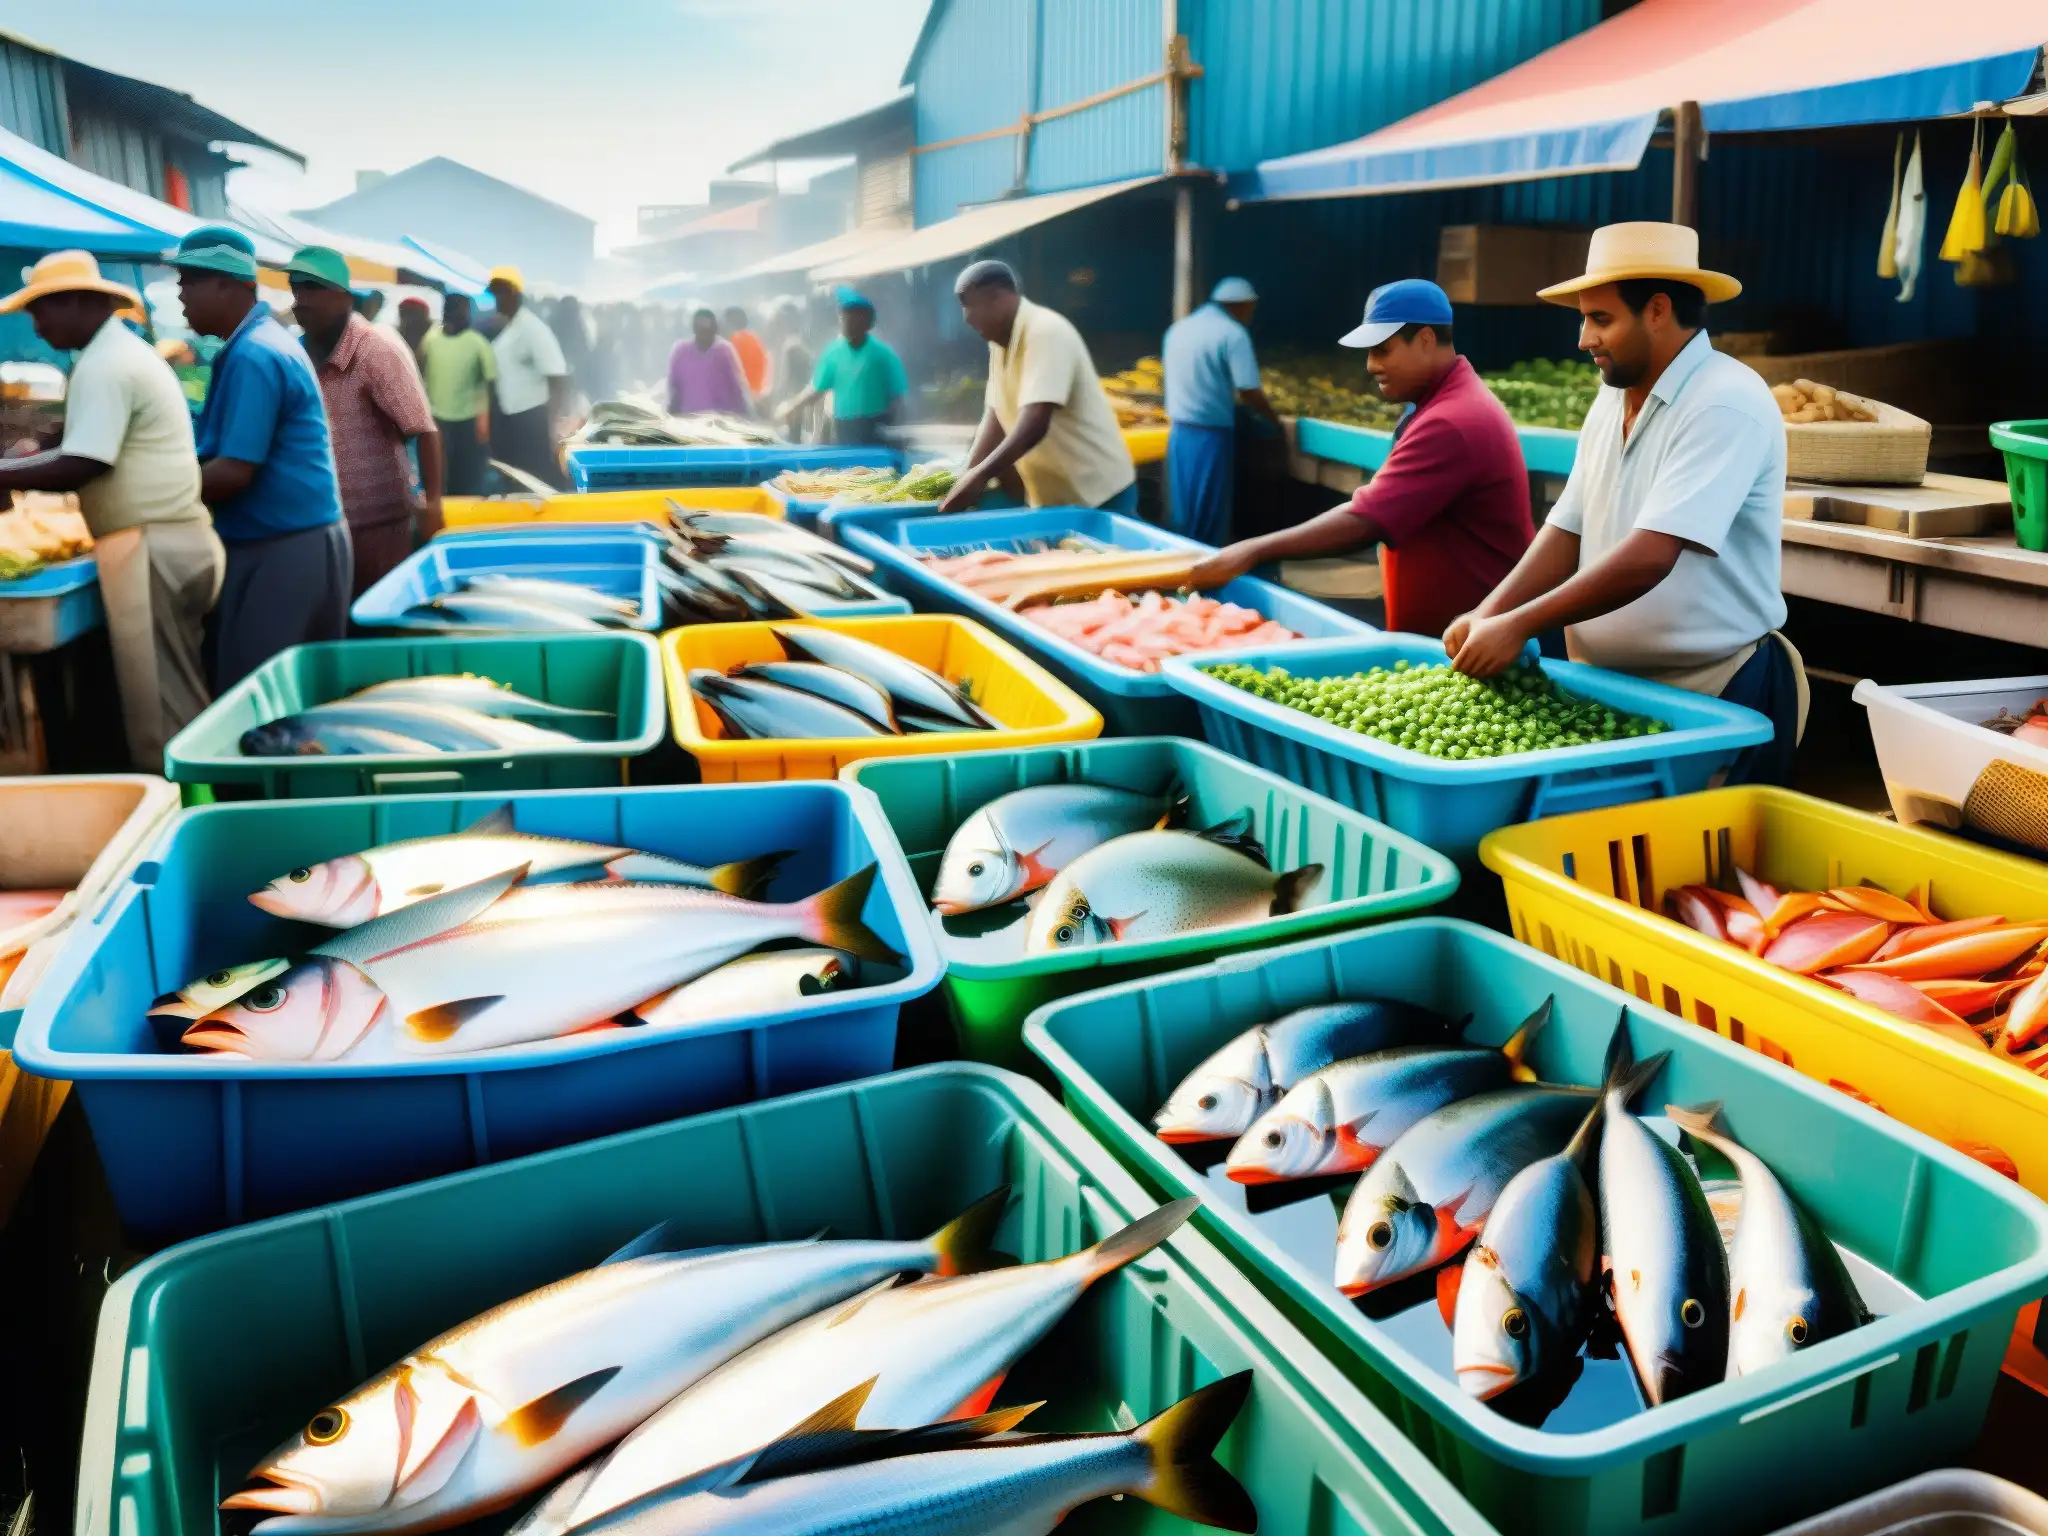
1186, 1478
748, 877
1696, 1121
1293, 889
964, 1244
1625, 1076
1138, 1239
1517, 1048
1580, 1147
833, 918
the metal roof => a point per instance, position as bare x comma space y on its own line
848, 136
971, 231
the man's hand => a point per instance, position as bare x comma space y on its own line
1456, 631
483, 431
1486, 647
428, 519
965, 495
1225, 566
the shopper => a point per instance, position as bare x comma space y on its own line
458, 367
1047, 424
533, 383
127, 452
1211, 372
415, 319
861, 372
753, 354
704, 372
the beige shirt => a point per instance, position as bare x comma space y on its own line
124, 408
1082, 460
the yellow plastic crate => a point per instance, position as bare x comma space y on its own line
1589, 890
1033, 707
1147, 444
470, 512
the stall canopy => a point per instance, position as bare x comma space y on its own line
841, 247
971, 231
1592, 102
369, 261
466, 273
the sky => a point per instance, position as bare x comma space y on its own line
601, 105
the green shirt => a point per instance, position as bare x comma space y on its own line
864, 380
459, 371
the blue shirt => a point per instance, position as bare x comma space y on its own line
1208, 359
263, 407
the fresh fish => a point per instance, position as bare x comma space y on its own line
497, 610
702, 589
784, 542
751, 710
575, 597
1008, 1485
928, 1352
1020, 841
1233, 1086
1154, 885
497, 1407
307, 736
476, 693
915, 689
1669, 1269
774, 595
216, 989
841, 688
752, 985
441, 727
764, 557
1791, 1287
753, 528
1340, 1119
1427, 1195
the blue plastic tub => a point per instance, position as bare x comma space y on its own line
1452, 805
191, 1143
1132, 703
53, 607
1945, 1250
623, 469
836, 516
618, 561
1545, 450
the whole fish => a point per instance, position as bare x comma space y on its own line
497, 610
476, 693
691, 588
765, 558
1427, 1195
1338, 1120
216, 989
1008, 1485
1236, 1084
1669, 1269
785, 544
927, 1352
442, 727
1155, 885
841, 688
753, 985
751, 710
774, 594
312, 736
915, 689
752, 527
489, 1411
1792, 1289
572, 596
1022, 840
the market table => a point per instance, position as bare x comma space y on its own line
1982, 585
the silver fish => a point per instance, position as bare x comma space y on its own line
752, 985
216, 989
443, 727
752, 527
497, 610
477, 693
788, 562
842, 688
573, 596
303, 736
1020, 841
1155, 885
751, 710
914, 688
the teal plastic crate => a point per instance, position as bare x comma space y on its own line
1906, 1392
619, 673
1371, 873
212, 1352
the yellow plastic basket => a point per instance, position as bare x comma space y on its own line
1033, 707
1147, 444
1589, 890
470, 512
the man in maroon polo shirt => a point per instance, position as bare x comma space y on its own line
1451, 504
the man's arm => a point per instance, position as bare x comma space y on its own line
967, 490
1255, 401
433, 479
1482, 645
1335, 532
1033, 422
54, 471
224, 479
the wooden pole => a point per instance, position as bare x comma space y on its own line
1183, 250
1688, 146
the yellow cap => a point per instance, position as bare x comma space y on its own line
67, 272
510, 275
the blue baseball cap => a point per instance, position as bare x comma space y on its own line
1234, 290
217, 248
853, 298
1411, 301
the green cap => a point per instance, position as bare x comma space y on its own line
319, 264
217, 248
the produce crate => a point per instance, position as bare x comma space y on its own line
186, 1393
601, 506
619, 672
1031, 705
192, 1142
1372, 873
50, 608
1147, 445
1943, 769
619, 469
1452, 805
2025, 446
1132, 703
1951, 1503
1545, 450
1589, 889
617, 561
1907, 1391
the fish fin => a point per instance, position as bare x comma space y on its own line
433, 1470
1517, 1048
847, 1311
492, 823
543, 1418
841, 1416
1292, 891
1448, 1280
1138, 1239
550, 1515
1186, 1479
662, 1237
962, 1244
830, 1439
1119, 926
1580, 1147
1358, 1152
1697, 1120
364, 943
977, 1402
1035, 871
440, 1023
1625, 1075
1179, 806
833, 919
748, 877
1235, 833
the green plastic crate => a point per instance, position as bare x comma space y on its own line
1372, 871
2025, 446
212, 1352
620, 673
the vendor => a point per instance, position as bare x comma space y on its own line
1450, 506
861, 372
1662, 557
1047, 425
1211, 370
533, 383
127, 452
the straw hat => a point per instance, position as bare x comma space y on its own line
1644, 249
65, 272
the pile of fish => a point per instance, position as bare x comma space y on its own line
2030, 727
720, 567
496, 600
1979, 981
639, 422
1096, 864
452, 712
794, 1387
832, 686
492, 937
1141, 632
1513, 1192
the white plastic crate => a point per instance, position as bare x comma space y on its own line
1950, 1503
1942, 768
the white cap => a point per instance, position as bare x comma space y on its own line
1234, 290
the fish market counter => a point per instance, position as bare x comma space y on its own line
1979, 585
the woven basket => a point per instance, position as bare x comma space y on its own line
1937, 380
1889, 451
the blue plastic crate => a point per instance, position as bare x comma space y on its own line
191, 1142
51, 608
1545, 450
618, 561
619, 469
1452, 805
1132, 703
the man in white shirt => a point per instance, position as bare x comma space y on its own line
1047, 422
128, 454
1662, 557
533, 383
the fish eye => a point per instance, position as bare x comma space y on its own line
1206, 1101
267, 998
328, 1426
300, 875
1515, 1323
1064, 934
1691, 1313
1796, 1330
1380, 1235
976, 868
218, 978
1275, 1140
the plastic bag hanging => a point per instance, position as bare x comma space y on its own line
1966, 232
1909, 249
1887, 255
